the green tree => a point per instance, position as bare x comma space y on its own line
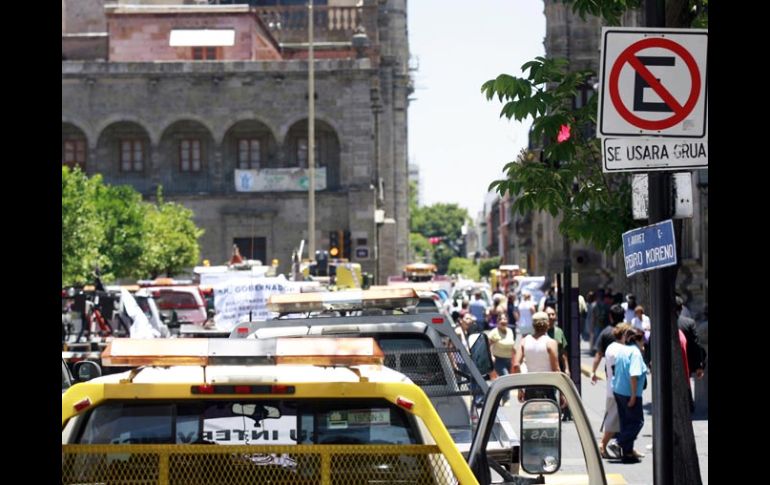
122, 215
443, 220
82, 231
171, 240
463, 266
487, 265
567, 177
419, 246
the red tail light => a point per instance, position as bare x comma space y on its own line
404, 403
205, 389
82, 404
243, 330
437, 320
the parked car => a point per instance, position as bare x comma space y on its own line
180, 304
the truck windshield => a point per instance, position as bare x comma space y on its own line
255, 422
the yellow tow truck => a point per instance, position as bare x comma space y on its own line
288, 411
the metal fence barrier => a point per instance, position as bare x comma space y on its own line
242, 464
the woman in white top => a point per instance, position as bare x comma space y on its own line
611, 422
540, 353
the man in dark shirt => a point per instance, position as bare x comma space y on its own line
600, 315
557, 334
617, 314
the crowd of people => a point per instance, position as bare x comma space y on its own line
524, 337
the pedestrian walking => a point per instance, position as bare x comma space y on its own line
478, 308
557, 334
540, 353
629, 306
524, 313
628, 382
611, 421
503, 346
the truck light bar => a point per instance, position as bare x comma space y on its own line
328, 351
415, 285
203, 351
387, 299
164, 282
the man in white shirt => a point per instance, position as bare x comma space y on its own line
640, 320
628, 307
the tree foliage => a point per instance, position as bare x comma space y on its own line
82, 232
487, 265
112, 228
440, 220
122, 215
463, 266
444, 221
566, 177
171, 240
437, 220
419, 246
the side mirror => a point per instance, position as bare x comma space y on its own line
481, 354
86, 370
540, 436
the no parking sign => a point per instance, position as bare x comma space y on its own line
653, 83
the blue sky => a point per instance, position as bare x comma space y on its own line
455, 135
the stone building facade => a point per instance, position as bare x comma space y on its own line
223, 127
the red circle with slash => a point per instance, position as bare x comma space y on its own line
680, 111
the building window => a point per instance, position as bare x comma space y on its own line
252, 247
74, 153
249, 153
131, 156
302, 154
190, 155
205, 53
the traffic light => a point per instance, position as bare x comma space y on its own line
347, 245
335, 249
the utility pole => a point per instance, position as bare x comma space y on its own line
310, 135
661, 294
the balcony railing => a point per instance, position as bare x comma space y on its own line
289, 24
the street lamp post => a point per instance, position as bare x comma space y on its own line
311, 136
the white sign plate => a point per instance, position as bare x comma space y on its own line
647, 154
